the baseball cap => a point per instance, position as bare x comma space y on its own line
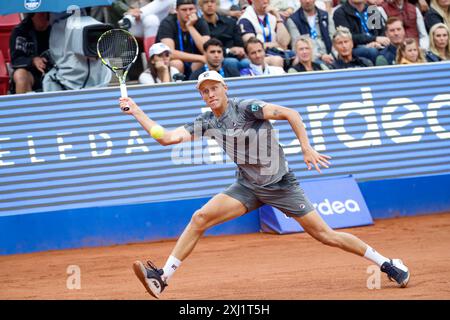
181, 2
209, 75
158, 48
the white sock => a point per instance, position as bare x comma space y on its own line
171, 265
374, 256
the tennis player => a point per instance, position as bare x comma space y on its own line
260, 180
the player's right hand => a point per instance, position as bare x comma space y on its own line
125, 103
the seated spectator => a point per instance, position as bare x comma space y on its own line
285, 7
264, 22
439, 13
29, 41
232, 8
439, 43
214, 61
144, 21
396, 35
226, 30
316, 23
254, 48
304, 57
159, 70
185, 33
409, 52
366, 27
343, 43
412, 19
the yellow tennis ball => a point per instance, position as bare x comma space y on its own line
157, 132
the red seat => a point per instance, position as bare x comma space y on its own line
4, 78
148, 42
7, 24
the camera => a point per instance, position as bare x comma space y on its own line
127, 22
178, 77
84, 36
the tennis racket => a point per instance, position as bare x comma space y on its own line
118, 49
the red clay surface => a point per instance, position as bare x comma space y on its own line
254, 266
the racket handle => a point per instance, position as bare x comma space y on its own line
124, 94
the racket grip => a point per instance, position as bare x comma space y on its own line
124, 94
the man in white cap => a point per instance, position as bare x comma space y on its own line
261, 179
159, 70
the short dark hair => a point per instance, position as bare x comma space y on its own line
252, 40
181, 2
212, 42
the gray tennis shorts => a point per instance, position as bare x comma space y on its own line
285, 195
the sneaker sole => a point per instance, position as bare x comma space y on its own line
405, 282
141, 273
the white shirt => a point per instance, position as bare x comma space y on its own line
146, 77
226, 4
268, 70
284, 4
312, 21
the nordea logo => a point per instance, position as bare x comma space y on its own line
32, 4
327, 208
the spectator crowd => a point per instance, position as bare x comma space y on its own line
181, 39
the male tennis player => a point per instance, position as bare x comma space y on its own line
261, 178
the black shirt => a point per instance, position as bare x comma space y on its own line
227, 31
27, 43
227, 71
301, 68
356, 62
169, 28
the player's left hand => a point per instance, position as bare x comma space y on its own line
312, 157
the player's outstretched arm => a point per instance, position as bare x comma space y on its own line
168, 137
310, 156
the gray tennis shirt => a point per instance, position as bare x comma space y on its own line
249, 140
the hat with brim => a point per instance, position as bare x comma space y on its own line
158, 48
209, 75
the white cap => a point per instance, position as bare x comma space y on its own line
209, 75
158, 48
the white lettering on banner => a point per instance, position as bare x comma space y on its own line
63, 147
328, 208
292, 148
442, 100
5, 163
315, 122
215, 152
100, 144
32, 150
391, 126
134, 136
93, 145
366, 109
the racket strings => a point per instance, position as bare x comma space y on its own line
118, 48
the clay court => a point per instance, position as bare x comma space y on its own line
253, 266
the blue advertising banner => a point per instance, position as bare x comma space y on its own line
75, 149
339, 201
